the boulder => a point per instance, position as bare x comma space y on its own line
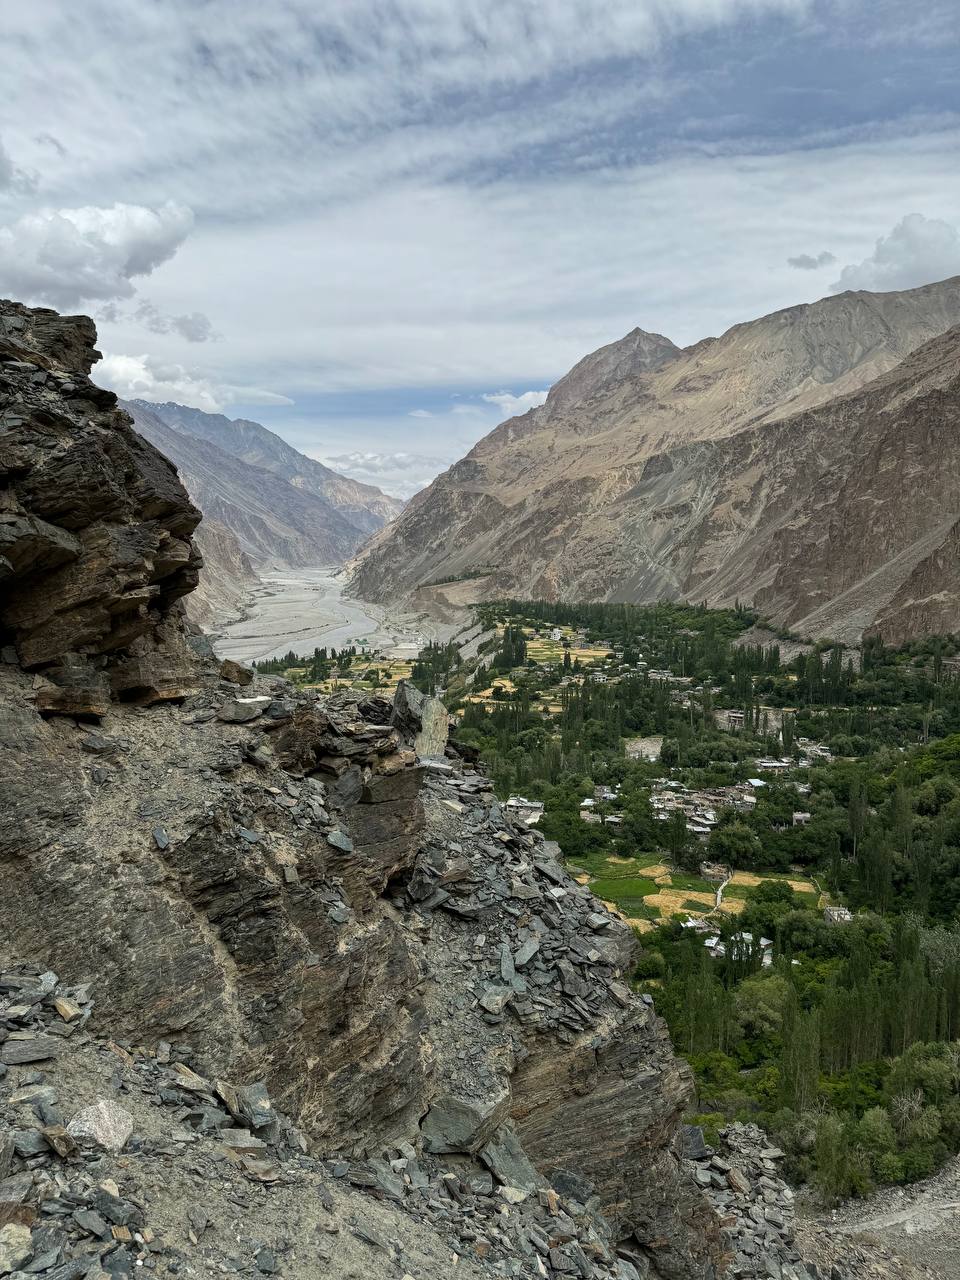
462, 1124
104, 1124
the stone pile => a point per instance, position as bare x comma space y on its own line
757, 1214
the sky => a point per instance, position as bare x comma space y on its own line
382, 227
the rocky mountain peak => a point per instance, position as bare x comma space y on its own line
637, 353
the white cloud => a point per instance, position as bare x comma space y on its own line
806, 261
144, 378
401, 474
69, 256
419, 413
917, 251
510, 405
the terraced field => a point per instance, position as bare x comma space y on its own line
645, 892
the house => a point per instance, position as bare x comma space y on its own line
801, 819
697, 924
588, 815
556, 634
598, 677
734, 719
774, 766
528, 811
614, 820
837, 915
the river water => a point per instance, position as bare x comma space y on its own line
305, 609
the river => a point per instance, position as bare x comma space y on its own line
305, 609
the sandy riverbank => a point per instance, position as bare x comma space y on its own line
305, 609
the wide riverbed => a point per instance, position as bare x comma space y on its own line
305, 609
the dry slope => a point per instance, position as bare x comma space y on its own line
636, 481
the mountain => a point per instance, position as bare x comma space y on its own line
226, 579
363, 505
274, 522
710, 473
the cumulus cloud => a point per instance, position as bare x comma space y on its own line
142, 377
195, 327
806, 261
68, 256
400, 473
511, 405
917, 251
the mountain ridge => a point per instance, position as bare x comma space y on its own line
615, 496
364, 505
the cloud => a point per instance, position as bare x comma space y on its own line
68, 256
511, 405
419, 413
917, 251
144, 378
401, 473
195, 327
805, 262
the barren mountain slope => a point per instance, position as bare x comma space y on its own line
631, 489
364, 505
227, 576
273, 521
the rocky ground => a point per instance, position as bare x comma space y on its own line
919, 1224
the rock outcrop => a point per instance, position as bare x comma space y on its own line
95, 528
273, 894
757, 466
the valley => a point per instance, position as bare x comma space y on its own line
299, 610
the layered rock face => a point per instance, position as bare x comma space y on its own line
95, 528
279, 890
705, 474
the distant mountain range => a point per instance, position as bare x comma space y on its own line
805, 462
264, 504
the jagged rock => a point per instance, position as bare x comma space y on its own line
506, 1159
431, 741
96, 528
242, 710
234, 672
462, 1124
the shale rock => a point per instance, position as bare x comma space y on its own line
95, 528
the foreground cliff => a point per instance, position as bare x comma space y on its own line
783, 464
280, 890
